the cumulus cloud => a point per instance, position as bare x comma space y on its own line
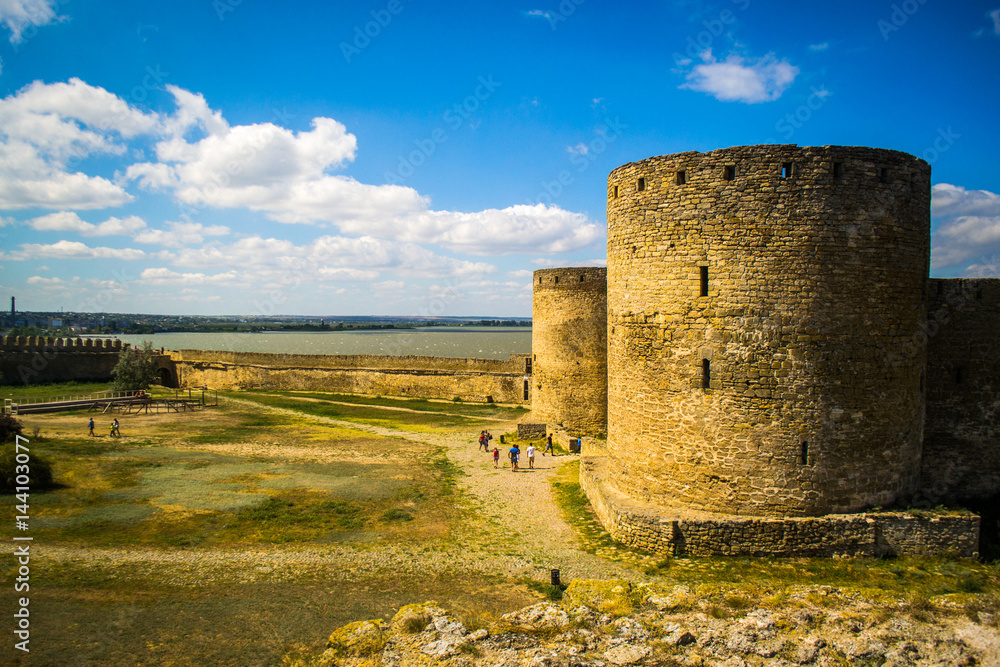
739, 79
163, 276
179, 234
18, 15
71, 250
68, 221
47, 130
967, 235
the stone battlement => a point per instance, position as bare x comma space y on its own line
16, 343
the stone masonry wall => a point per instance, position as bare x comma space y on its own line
793, 386
961, 457
495, 380
569, 349
36, 359
652, 528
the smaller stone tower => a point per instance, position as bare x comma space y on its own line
569, 349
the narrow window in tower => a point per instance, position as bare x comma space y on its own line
641, 185
557, 280
838, 169
525, 385
804, 453
883, 174
979, 293
681, 177
539, 280
786, 169
706, 374
730, 173
704, 280
581, 278
913, 179
615, 195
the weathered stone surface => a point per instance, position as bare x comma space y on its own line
569, 349
850, 629
813, 263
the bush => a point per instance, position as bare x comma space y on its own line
39, 470
136, 368
9, 428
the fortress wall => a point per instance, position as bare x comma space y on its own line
809, 337
569, 349
501, 381
961, 457
36, 359
660, 531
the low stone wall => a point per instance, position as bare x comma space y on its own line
681, 533
480, 380
36, 359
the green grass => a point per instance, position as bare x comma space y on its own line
55, 389
374, 415
465, 409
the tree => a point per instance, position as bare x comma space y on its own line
136, 368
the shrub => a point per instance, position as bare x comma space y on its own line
39, 470
9, 427
136, 368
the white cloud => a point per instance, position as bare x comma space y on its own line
540, 13
995, 15
819, 47
522, 273
18, 15
46, 282
739, 79
179, 234
948, 200
580, 149
71, 250
968, 230
163, 276
46, 130
68, 221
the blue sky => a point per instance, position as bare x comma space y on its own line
404, 158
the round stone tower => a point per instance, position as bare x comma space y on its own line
765, 355
569, 349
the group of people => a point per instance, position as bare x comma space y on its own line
514, 453
115, 428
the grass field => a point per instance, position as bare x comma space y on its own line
248, 532
238, 479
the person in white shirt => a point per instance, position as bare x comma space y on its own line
531, 456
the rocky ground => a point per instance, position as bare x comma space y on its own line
605, 623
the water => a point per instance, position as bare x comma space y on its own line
478, 342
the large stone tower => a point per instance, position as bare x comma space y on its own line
765, 352
569, 349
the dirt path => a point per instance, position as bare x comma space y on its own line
517, 529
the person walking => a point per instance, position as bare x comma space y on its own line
91, 425
482, 440
116, 428
496, 456
530, 451
548, 446
515, 453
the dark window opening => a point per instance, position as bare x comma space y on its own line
883, 174
730, 172
633, 250
838, 169
979, 293
539, 280
706, 374
581, 279
681, 178
959, 375
615, 196
804, 453
557, 280
786, 170
641, 185
913, 179
525, 390
704, 280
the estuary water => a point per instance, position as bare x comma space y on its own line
478, 342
